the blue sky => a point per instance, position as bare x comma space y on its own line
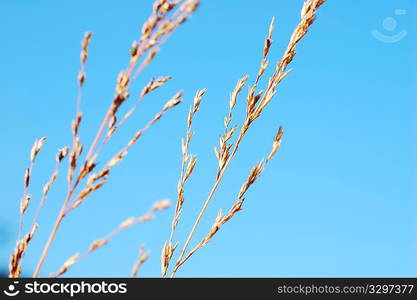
339, 199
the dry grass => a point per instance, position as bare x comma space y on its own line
84, 178
143, 256
158, 206
165, 17
256, 102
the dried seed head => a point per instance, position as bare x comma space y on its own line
154, 84
81, 78
118, 100
190, 167
164, 29
134, 49
88, 166
268, 39
68, 264
127, 223
161, 205
144, 218
97, 244
24, 203
271, 27
47, 186
217, 153
174, 101
143, 256
112, 122
239, 85
166, 255
194, 108
76, 203
229, 134
62, 153
26, 180
214, 228
96, 176
122, 82
37, 146
116, 159
89, 189
197, 99
276, 143
15, 259
148, 27
76, 124
237, 206
73, 165
84, 47
262, 68
151, 56
253, 176
190, 6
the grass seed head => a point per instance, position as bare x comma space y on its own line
37, 146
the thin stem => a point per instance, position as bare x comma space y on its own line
98, 136
213, 190
40, 206
173, 225
58, 222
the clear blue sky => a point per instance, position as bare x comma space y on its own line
339, 199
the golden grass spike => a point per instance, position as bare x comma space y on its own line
15, 268
188, 164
